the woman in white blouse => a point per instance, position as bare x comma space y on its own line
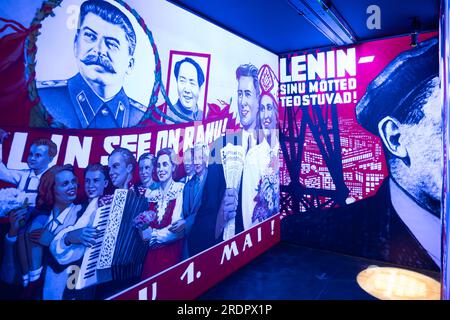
166, 203
69, 245
260, 185
55, 210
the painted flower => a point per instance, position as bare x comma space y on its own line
268, 197
143, 220
11, 199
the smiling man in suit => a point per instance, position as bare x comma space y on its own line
220, 204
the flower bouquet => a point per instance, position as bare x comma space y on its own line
268, 196
11, 199
143, 221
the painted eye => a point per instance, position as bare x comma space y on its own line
89, 36
111, 44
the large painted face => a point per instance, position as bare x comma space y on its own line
145, 171
38, 158
65, 189
423, 142
118, 170
267, 114
188, 88
94, 184
102, 51
199, 161
247, 102
187, 163
164, 168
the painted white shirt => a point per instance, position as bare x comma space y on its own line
55, 283
247, 139
66, 254
175, 191
25, 180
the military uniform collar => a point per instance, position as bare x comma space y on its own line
88, 105
186, 112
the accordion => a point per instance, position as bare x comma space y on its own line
119, 251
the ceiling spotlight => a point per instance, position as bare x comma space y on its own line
415, 32
414, 36
326, 19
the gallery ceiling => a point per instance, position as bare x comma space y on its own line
276, 26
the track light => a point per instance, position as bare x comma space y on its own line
325, 18
414, 36
415, 32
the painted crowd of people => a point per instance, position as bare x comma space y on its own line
188, 202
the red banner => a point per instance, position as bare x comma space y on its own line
81, 148
192, 277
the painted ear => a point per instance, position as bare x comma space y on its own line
75, 39
390, 132
129, 168
130, 65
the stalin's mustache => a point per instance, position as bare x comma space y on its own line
93, 59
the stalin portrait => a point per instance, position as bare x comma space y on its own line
94, 98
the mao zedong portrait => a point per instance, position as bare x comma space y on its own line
104, 48
401, 222
190, 79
